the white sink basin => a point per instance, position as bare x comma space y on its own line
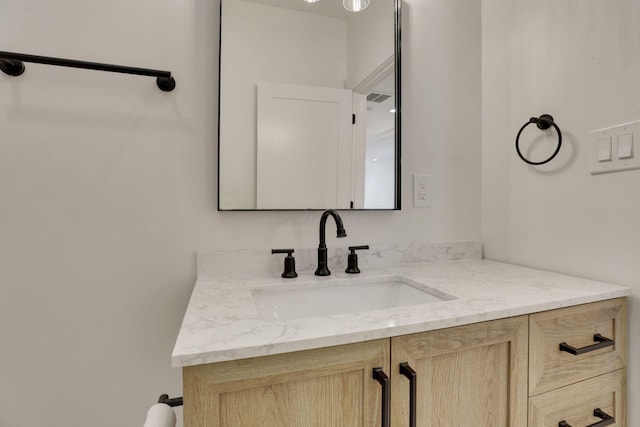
341, 296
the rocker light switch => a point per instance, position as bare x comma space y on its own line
625, 146
604, 150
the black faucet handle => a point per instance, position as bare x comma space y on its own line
352, 259
282, 251
289, 263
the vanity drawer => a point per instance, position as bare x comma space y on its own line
575, 404
577, 327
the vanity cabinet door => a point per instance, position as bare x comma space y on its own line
473, 375
327, 387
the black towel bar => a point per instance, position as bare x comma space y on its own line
13, 65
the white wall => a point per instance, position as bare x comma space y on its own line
580, 62
108, 189
379, 170
369, 40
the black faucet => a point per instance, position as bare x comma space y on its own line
323, 269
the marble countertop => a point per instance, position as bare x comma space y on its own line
222, 323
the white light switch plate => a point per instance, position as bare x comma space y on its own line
624, 133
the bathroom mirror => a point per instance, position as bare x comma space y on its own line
309, 105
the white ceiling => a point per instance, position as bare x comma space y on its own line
332, 8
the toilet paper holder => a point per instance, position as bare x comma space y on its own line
176, 401
162, 414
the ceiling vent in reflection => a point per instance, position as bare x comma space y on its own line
377, 97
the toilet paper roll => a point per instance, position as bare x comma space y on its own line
160, 415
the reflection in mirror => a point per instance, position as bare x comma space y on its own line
308, 105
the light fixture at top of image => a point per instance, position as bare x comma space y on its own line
355, 5
311, 1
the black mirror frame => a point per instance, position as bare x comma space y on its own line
398, 128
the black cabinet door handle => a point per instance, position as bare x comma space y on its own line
406, 370
383, 379
601, 342
606, 419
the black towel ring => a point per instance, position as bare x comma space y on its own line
543, 122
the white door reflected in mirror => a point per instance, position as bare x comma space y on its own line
304, 147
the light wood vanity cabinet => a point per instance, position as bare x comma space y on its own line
481, 375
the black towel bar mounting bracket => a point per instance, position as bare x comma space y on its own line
176, 401
543, 122
13, 64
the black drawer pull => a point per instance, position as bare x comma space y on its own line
606, 419
406, 370
601, 342
383, 379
